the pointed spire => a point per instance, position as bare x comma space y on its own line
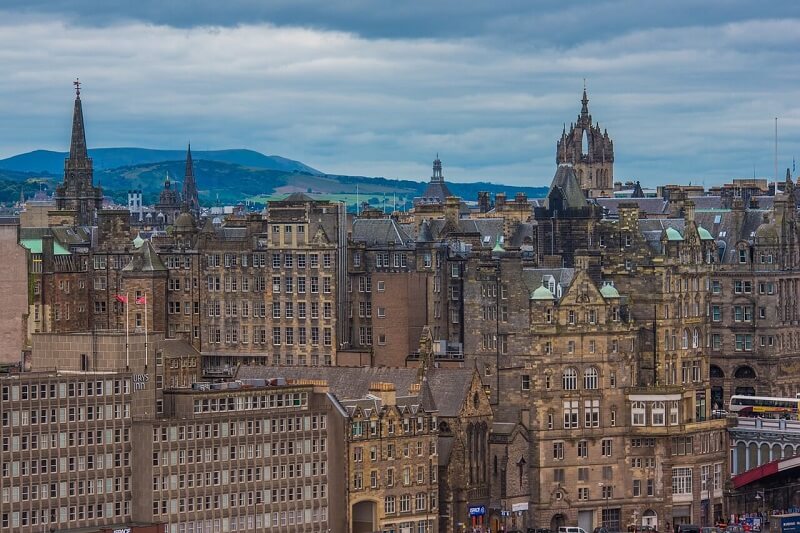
189, 193
77, 147
584, 101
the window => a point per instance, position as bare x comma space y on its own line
570, 379
570, 414
637, 487
638, 413
583, 493
526, 382
606, 446
591, 413
389, 505
558, 450
590, 378
583, 449
681, 480
658, 414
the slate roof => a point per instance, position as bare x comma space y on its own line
178, 348
651, 206
379, 231
436, 190
566, 182
145, 260
533, 277
448, 386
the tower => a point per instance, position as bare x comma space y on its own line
590, 151
77, 192
189, 195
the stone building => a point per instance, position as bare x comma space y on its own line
15, 289
464, 418
590, 151
390, 439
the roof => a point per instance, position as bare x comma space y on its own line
379, 231
674, 235
178, 348
35, 246
609, 291
704, 234
565, 183
542, 293
145, 260
448, 386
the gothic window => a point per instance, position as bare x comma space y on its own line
685, 339
696, 338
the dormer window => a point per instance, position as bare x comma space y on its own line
742, 255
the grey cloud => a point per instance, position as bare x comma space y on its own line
683, 99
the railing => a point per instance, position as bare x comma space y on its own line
767, 424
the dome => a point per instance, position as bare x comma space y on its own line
674, 235
609, 291
767, 232
704, 234
184, 222
542, 293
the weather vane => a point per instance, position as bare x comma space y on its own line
77, 84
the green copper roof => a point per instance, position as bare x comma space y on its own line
35, 246
609, 291
674, 235
498, 247
138, 241
542, 293
704, 234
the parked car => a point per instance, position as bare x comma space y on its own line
688, 528
572, 529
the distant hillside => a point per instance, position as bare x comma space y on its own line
108, 158
223, 181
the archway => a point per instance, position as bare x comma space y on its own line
745, 391
365, 517
558, 520
745, 372
650, 518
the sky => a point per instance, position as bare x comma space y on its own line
688, 91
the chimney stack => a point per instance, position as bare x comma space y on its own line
385, 391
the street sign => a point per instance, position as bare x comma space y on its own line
477, 510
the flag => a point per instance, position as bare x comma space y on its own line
121, 298
141, 300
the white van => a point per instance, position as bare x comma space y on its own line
571, 529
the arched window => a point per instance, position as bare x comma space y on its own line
745, 372
685, 339
590, 378
570, 379
696, 338
658, 413
716, 372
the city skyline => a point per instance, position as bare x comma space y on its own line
356, 91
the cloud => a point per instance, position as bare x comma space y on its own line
684, 100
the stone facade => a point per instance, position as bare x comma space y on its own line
15, 289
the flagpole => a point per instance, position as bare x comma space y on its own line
145, 329
127, 334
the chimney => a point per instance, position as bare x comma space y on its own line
385, 391
48, 251
500, 200
688, 211
483, 201
452, 206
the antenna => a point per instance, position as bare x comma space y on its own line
776, 156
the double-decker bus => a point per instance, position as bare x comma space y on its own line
765, 406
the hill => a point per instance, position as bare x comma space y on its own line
108, 158
234, 176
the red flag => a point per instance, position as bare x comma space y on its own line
121, 298
141, 300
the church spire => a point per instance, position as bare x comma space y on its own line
77, 147
189, 193
584, 101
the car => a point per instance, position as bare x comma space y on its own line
710, 530
571, 529
600, 529
688, 528
734, 528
